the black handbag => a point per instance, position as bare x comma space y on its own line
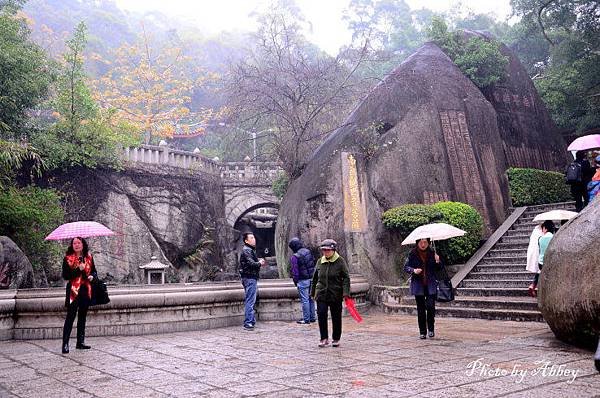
99, 292
445, 291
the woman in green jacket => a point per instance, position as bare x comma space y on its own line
330, 284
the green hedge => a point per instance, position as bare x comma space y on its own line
465, 217
536, 187
404, 219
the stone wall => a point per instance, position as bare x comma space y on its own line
154, 210
135, 310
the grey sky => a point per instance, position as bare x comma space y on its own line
329, 30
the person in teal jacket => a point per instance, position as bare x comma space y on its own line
548, 229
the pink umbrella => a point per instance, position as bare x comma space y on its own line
586, 142
79, 229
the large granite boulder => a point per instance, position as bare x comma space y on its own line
424, 134
16, 271
529, 136
569, 292
160, 212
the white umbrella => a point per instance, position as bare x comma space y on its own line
436, 231
555, 215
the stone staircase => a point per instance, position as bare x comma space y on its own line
494, 283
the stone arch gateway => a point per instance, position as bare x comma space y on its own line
240, 200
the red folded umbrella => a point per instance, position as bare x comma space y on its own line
352, 309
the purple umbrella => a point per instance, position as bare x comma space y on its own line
586, 142
79, 229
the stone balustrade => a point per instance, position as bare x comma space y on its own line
135, 310
250, 171
162, 155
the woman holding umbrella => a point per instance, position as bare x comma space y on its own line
421, 263
78, 268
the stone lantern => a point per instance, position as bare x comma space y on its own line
154, 271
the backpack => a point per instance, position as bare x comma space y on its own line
573, 174
306, 263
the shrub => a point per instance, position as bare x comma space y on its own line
26, 216
477, 58
465, 217
406, 218
280, 185
536, 187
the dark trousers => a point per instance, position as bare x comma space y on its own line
536, 277
579, 192
336, 318
425, 312
72, 310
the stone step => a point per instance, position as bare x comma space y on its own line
529, 223
506, 303
534, 211
482, 313
508, 274
522, 228
499, 268
507, 253
497, 283
519, 245
504, 260
517, 234
473, 292
524, 240
493, 291
546, 207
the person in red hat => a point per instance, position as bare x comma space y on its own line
330, 285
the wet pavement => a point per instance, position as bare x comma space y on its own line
382, 357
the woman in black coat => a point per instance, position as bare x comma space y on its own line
78, 268
422, 263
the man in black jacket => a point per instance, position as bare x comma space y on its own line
579, 188
249, 271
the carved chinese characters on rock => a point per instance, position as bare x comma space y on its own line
354, 206
505, 99
463, 164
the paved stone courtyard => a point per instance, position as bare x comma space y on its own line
382, 357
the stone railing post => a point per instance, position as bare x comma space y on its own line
164, 152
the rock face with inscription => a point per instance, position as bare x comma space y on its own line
529, 136
424, 134
569, 298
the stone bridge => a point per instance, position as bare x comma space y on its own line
246, 185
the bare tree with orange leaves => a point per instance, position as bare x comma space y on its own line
150, 86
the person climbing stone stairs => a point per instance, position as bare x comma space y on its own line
496, 287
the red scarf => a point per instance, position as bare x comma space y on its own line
81, 280
423, 256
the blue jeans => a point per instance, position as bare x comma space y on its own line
308, 305
250, 289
